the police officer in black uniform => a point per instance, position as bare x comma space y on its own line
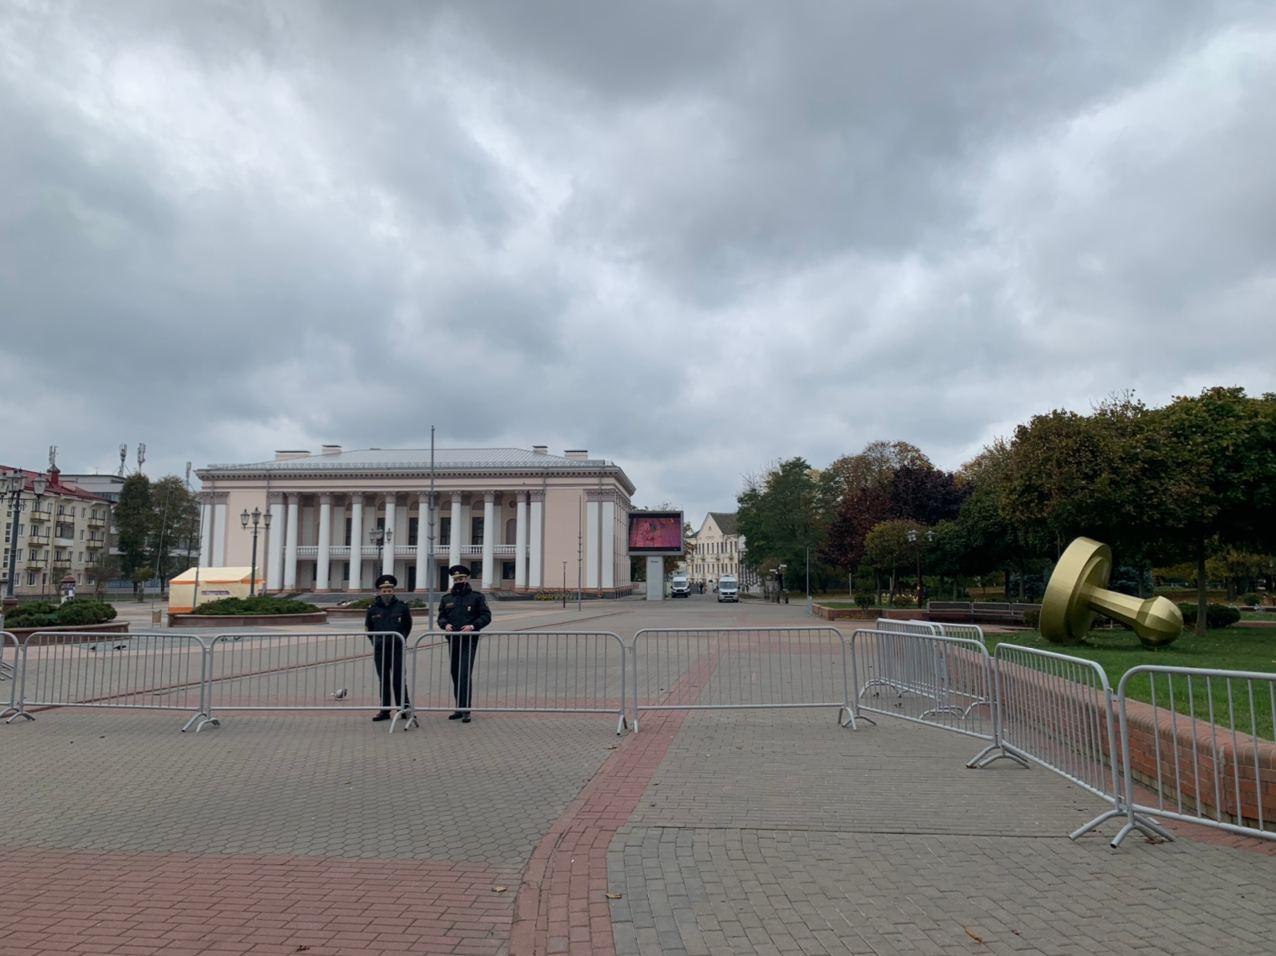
463, 612
388, 613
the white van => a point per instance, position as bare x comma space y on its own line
728, 588
680, 586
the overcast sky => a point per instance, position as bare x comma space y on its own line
691, 237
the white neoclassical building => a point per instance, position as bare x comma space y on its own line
522, 520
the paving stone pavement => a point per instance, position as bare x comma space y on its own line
708, 832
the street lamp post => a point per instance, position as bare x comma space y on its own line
257, 519
914, 538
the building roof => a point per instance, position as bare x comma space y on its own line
725, 520
55, 487
416, 461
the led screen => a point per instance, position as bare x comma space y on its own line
655, 532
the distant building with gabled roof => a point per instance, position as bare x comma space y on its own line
716, 549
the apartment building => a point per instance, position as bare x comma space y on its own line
52, 528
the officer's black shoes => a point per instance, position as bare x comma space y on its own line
456, 715
381, 715
465, 719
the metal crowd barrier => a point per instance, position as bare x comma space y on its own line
897, 626
940, 681
548, 672
1056, 711
739, 668
971, 632
1202, 771
312, 671
136, 671
8, 673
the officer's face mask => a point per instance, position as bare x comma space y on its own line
460, 584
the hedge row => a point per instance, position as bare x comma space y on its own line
74, 612
262, 604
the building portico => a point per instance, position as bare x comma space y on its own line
340, 518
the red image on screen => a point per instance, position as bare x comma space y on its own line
661, 532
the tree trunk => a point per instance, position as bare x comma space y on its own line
1202, 598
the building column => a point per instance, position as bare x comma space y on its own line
489, 538
387, 546
424, 560
520, 541
454, 539
290, 543
219, 534
205, 532
274, 543
356, 543
323, 563
609, 543
591, 543
536, 540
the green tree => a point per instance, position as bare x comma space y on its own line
134, 517
174, 524
1217, 457
779, 516
887, 548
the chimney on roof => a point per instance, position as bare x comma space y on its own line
540, 449
580, 454
330, 449
286, 454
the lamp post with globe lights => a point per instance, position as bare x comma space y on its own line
257, 519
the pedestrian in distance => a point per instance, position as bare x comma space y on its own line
387, 614
463, 612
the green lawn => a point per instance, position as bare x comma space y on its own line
1234, 648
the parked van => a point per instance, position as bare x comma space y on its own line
728, 588
680, 586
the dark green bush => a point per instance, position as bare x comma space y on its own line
1252, 599
1216, 615
51, 614
261, 604
85, 611
1032, 617
865, 599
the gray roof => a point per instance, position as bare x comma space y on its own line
417, 461
725, 520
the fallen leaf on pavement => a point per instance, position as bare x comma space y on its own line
977, 939
499, 889
613, 896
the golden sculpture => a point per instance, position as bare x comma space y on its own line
1078, 588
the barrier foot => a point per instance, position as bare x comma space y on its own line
1098, 821
995, 752
1145, 825
16, 714
622, 725
408, 717
852, 718
204, 721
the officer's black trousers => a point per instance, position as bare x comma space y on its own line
387, 657
462, 650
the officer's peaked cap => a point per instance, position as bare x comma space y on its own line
458, 569
387, 579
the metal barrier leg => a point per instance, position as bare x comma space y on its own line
1144, 825
995, 751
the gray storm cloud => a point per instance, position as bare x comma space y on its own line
693, 238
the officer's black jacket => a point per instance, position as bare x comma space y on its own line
461, 609
395, 616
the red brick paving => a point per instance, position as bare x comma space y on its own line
56, 901
562, 904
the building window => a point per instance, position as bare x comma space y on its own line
476, 531
507, 570
30, 578
511, 530
412, 530
445, 531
